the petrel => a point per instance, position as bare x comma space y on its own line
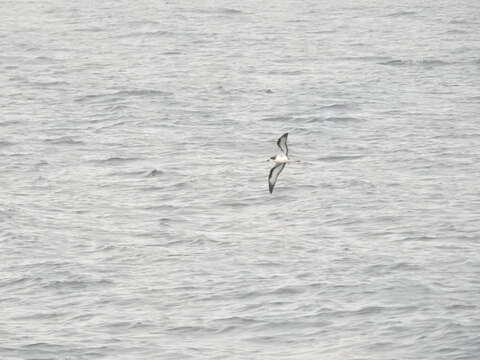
280, 161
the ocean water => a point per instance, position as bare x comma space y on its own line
135, 217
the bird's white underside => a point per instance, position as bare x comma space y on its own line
280, 159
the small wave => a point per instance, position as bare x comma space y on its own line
457, 307
41, 346
234, 204
90, 29
143, 22
105, 127
41, 181
5, 144
116, 107
267, 263
237, 320
427, 62
276, 118
326, 31
335, 119
405, 266
367, 310
91, 98
174, 52
395, 63
335, 107
65, 140
14, 282
128, 325
341, 158
365, 58
226, 325
76, 284
46, 59
9, 122
289, 290
191, 330
434, 62
474, 98
122, 94
49, 83
41, 316
285, 72
419, 238
455, 32
198, 241
226, 11
163, 207
342, 119
181, 184
165, 221
230, 11
143, 92
158, 33
401, 13
155, 173
459, 21
152, 189
115, 160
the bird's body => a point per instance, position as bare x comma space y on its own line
280, 161
280, 158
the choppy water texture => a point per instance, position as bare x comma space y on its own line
136, 221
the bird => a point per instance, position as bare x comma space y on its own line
280, 161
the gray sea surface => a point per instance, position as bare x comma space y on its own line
135, 217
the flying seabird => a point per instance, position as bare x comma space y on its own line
280, 161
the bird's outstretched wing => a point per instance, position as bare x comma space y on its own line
282, 143
272, 177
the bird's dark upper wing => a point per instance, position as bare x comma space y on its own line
272, 177
282, 143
